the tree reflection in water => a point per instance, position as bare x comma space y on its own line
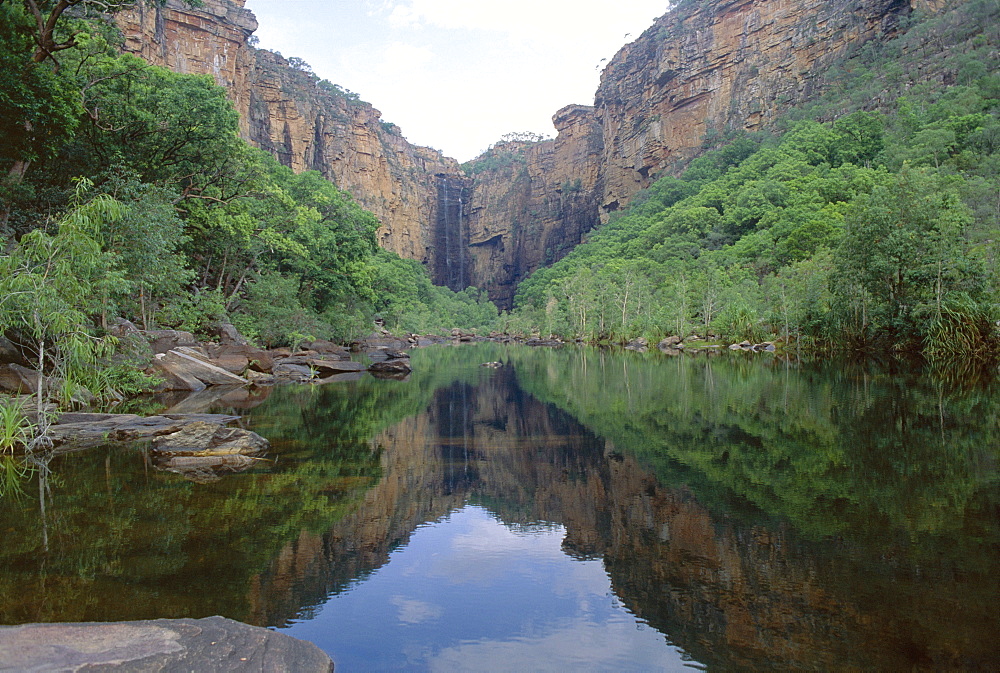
758, 514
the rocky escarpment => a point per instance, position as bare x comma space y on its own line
702, 69
711, 68
305, 123
532, 202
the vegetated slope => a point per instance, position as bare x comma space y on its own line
700, 70
870, 217
129, 193
305, 122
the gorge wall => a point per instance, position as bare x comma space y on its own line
702, 68
304, 123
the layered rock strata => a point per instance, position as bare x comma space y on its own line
305, 123
700, 70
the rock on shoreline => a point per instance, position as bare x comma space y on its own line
210, 645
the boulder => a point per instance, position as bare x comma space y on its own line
120, 327
259, 378
81, 430
197, 352
212, 644
12, 381
637, 344
172, 378
330, 367
228, 335
288, 370
381, 354
163, 340
184, 364
17, 379
10, 352
209, 439
237, 358
669, 342
390, 368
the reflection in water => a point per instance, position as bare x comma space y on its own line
573, 509
469, 593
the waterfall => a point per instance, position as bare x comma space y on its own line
451, 235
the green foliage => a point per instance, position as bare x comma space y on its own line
272, 314
194, 312
409, 302
207, 223
15, 428
877, 229
51, 285
838, 449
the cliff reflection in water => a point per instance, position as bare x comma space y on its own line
758, 515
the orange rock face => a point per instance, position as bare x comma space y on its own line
701, 69
733, 65
284, 111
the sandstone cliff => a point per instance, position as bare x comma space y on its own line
703, 68
709, 68
286, 110
532, 202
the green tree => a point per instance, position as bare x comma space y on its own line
51, 285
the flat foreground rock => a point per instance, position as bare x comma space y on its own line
162, 645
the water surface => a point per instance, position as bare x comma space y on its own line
574, 509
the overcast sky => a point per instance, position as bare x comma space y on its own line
458, 74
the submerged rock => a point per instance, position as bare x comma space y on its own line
204, 469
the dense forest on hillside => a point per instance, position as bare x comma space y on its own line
868, 219
128, 193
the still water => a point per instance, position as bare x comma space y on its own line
572, 510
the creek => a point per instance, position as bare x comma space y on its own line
574, 509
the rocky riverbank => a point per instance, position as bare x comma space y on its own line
209, 644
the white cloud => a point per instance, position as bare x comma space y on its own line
457, 74
416, 612
579, 646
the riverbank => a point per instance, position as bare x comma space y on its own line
207, 645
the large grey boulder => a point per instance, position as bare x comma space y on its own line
209, 645
186, 366
163, 340
209, 439
82, 430
390, 369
